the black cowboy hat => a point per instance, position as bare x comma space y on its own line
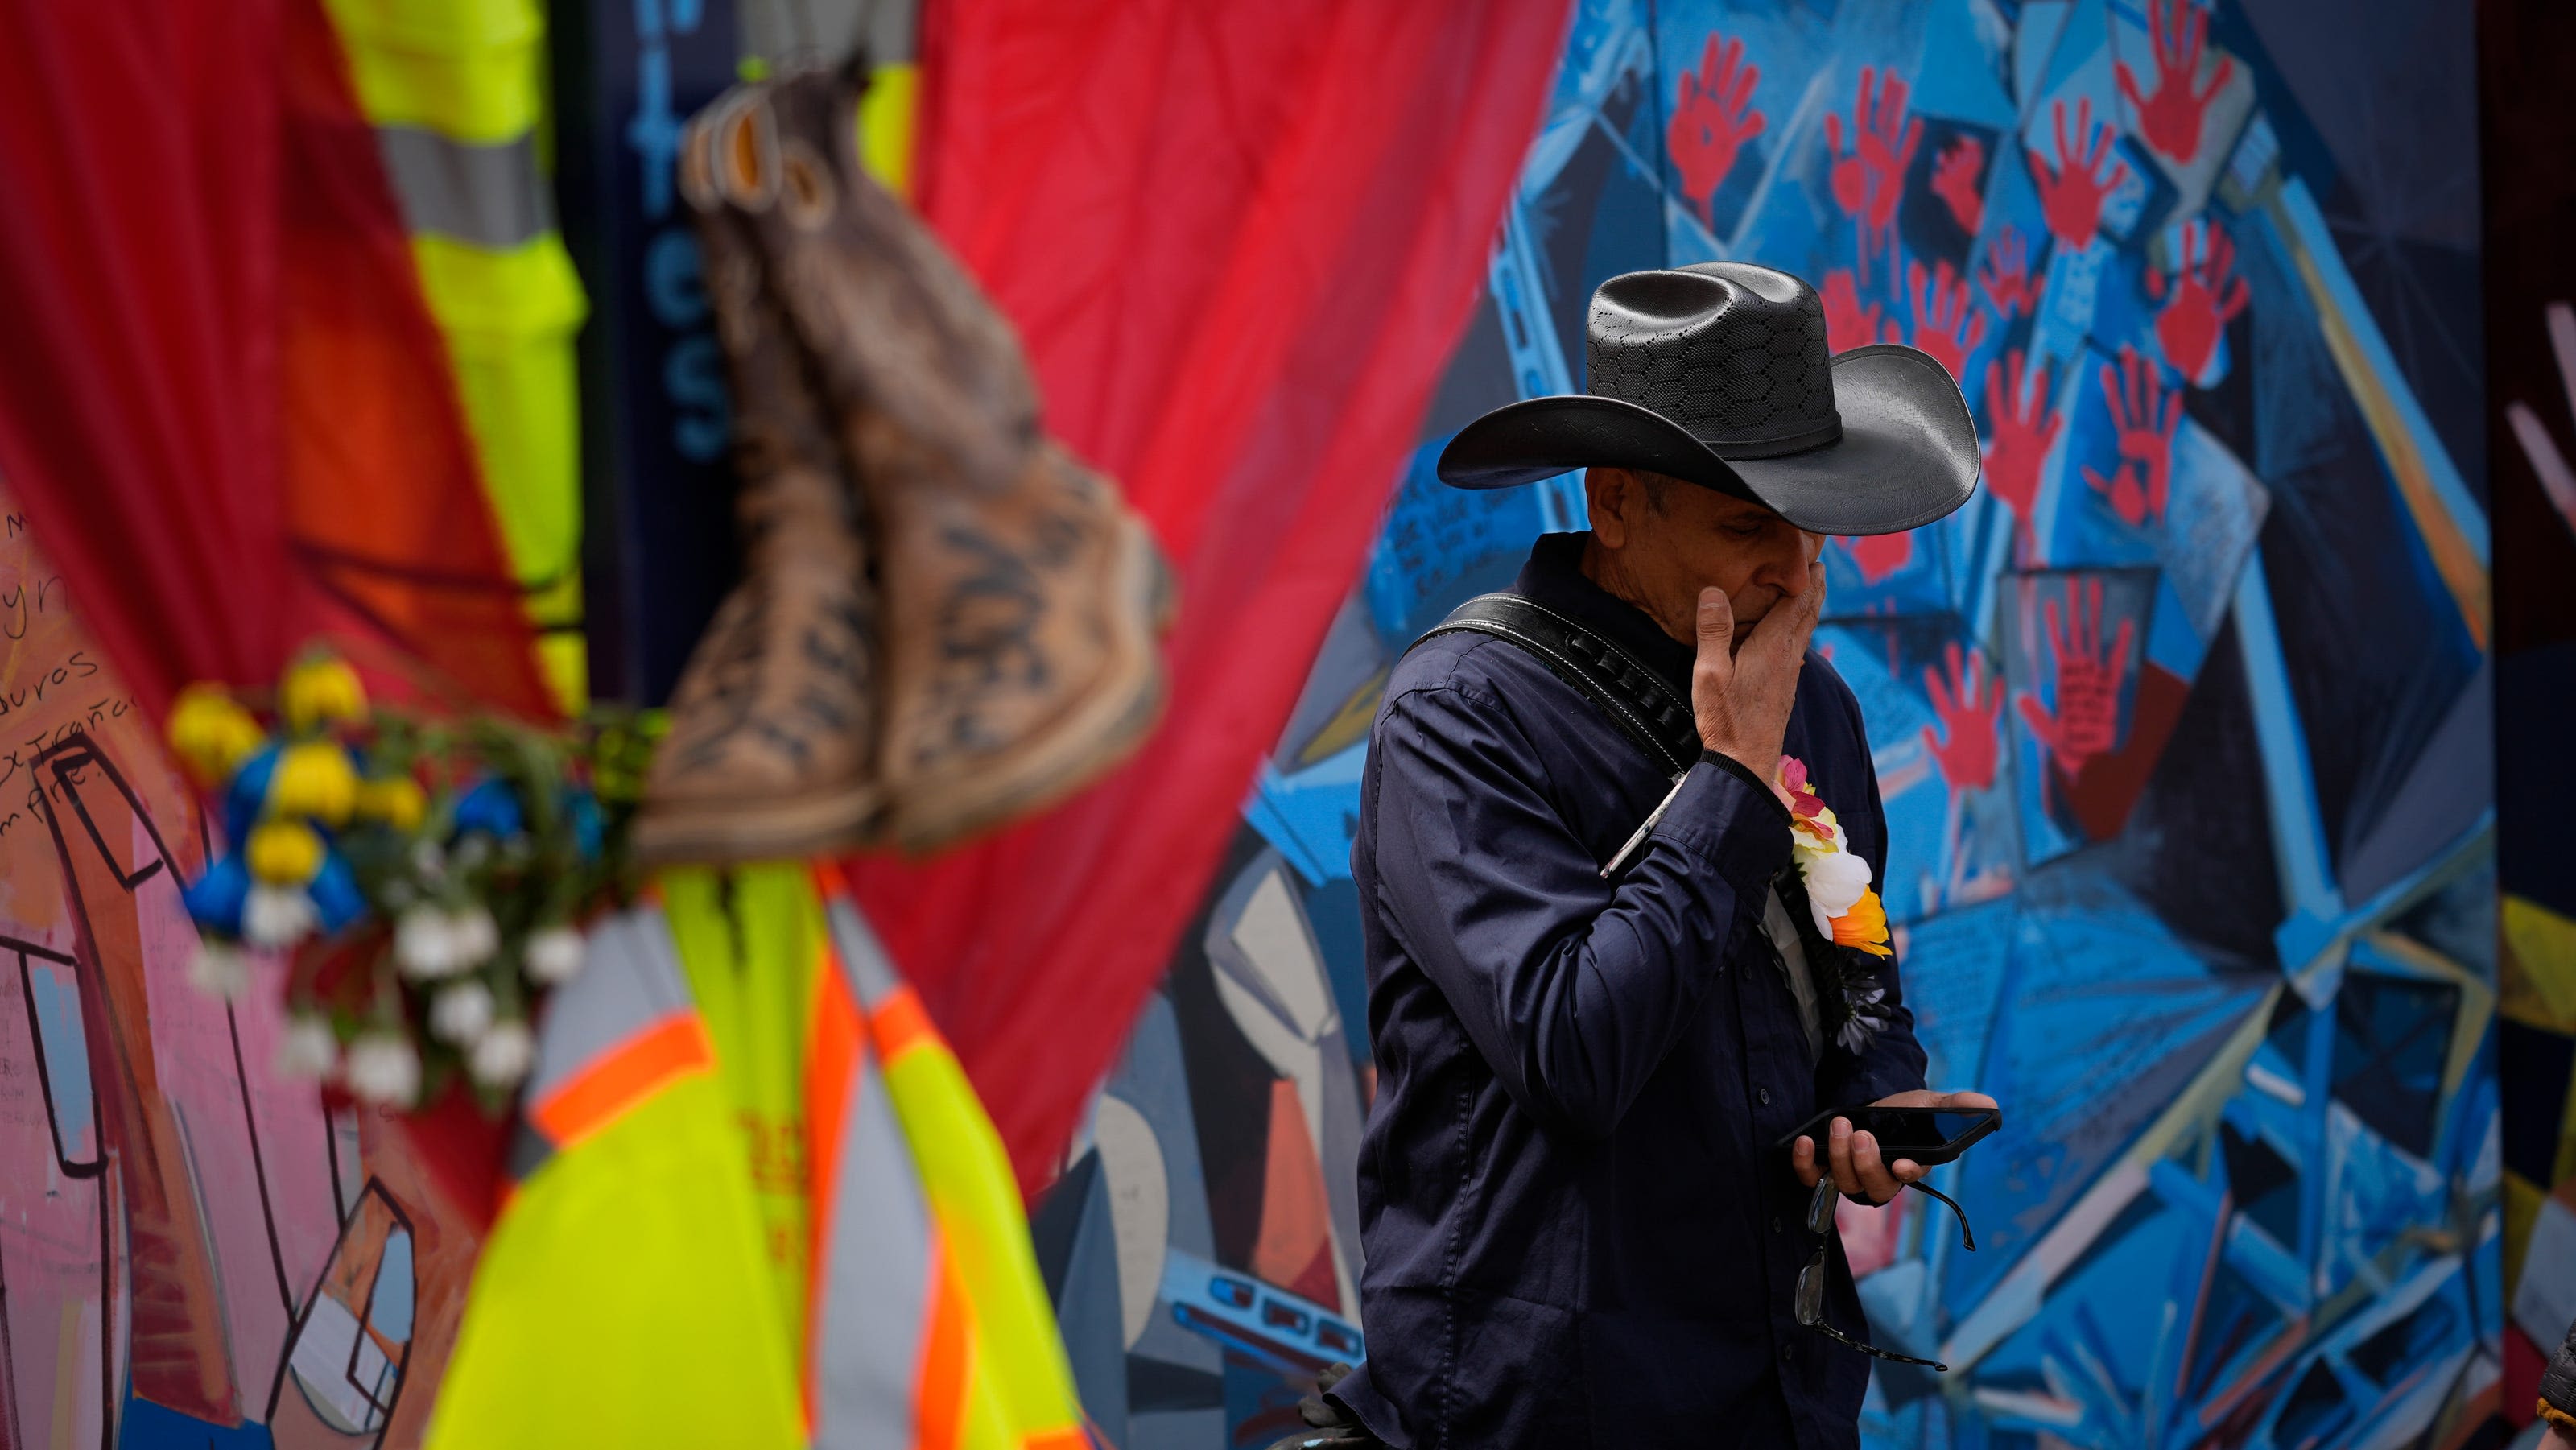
1719, 374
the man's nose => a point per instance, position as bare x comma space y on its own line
1785, 565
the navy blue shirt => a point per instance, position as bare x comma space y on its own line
1579, 1230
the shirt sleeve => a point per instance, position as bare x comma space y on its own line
1572, 988
1894, 1062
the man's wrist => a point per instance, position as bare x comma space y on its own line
1747, 774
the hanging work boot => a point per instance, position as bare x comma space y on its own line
1022, 598
773, 741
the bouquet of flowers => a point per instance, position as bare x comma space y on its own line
426, 877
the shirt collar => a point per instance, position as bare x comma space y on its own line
1554, 577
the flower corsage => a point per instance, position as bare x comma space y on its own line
1849, 923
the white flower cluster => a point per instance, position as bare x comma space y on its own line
431, 945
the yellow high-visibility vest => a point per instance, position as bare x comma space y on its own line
635, 1290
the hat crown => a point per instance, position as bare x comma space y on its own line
1732, 352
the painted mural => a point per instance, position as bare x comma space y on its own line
193, 1250
2183, 726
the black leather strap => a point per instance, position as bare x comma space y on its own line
1638, 701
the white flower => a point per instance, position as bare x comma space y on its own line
503, 1055
461, 1012
382, 1068
276, 916
1835, 884
219, 969
425, 944
555, 955
308, 1050
476, 935
428, 859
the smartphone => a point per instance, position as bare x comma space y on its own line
1925, 1135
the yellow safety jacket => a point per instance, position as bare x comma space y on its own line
737, 1067
456, 92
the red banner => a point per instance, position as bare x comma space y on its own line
1240, 243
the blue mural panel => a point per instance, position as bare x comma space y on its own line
2184, 820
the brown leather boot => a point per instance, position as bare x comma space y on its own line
773, 742
1022, 598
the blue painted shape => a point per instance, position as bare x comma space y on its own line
389, 1313
1959, 75
143, 1425
1256, 1319
1310, 816
63, 1048
2298, 832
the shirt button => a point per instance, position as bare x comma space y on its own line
1764, 1094
1775, 1223
1784, 1351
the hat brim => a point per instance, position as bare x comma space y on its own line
1907, 455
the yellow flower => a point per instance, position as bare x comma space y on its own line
395, 800
322, 688
211, 732
1864, 926
284, 853
314, 779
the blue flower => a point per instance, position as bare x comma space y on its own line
215, 899
491, 807
337, 901
589, 832
246, 799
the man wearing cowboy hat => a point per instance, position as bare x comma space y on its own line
1581, 1227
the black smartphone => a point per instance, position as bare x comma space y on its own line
1925, 1135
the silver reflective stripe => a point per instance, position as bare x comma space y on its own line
631, 981
490, 196
874, 1281
872, 974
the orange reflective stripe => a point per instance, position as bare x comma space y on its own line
901, 1025
623, 1076
828, 880
832, 1052
947, 1353
1055, 1440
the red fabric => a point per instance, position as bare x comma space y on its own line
220, 368
1240, 242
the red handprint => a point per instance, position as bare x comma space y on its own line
1850, 322
2145, 416
2022, 432
1879, 555
1713, 117
1944, 324
1970, 708
2170, 119
2006, 275
2086, 722
1956, 177
1868, 182
2206, 297
2070, 195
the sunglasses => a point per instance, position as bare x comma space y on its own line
1810, 1300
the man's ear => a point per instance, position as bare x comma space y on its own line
1609, 494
